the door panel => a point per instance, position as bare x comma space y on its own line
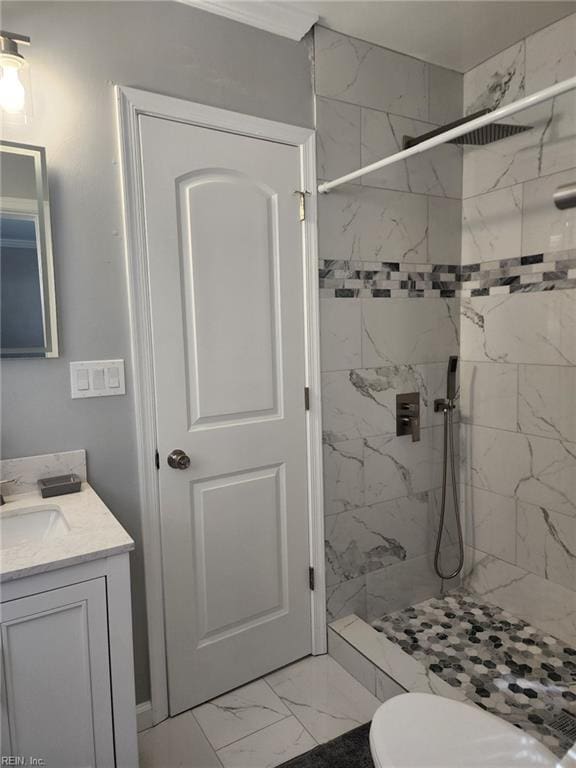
226, 274
224, 283
237, 592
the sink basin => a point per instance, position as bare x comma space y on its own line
31, 524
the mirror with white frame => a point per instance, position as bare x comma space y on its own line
28, 325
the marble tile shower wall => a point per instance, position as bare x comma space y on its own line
381, 491
518, 376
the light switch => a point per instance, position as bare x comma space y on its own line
82, 379
97, 378
113, 377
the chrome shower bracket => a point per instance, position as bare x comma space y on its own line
442, 404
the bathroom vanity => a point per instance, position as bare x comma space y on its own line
66, 631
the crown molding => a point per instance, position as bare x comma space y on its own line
287, 19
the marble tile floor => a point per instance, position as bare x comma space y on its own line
498, 661
264, 723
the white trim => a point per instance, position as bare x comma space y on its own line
144, 716
121, 659
313, 377
453, 133
281, 18
144, 397
131, 103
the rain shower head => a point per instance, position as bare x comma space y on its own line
481, 136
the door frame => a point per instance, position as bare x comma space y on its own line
130, 104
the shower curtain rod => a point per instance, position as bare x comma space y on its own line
510, 109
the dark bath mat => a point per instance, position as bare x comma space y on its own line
351, 750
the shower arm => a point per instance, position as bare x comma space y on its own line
453, 133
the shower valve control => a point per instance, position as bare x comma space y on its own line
408, 415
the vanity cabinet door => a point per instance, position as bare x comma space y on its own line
56, 687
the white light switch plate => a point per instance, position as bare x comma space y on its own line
97, 378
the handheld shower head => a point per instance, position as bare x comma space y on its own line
451, 383
447, 407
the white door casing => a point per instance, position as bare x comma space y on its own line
252, 401
131, 103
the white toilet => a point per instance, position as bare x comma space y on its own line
420, 730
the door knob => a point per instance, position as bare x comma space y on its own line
178, 459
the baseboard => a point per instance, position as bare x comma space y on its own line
144, 716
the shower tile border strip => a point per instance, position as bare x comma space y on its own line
390, 279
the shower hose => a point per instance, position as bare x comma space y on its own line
449, 451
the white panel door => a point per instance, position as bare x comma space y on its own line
56, 687
227, 287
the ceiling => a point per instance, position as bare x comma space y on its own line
458, 34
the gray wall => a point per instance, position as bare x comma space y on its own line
79, 50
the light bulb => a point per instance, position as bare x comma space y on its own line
12, 92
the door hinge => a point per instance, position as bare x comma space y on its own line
157, 459
302, 206
306, 398
311, 578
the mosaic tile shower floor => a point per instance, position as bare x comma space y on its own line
502, 664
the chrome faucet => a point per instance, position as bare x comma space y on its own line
4, 482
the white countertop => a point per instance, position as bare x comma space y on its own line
93, 532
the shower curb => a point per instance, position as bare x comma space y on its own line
381, 665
